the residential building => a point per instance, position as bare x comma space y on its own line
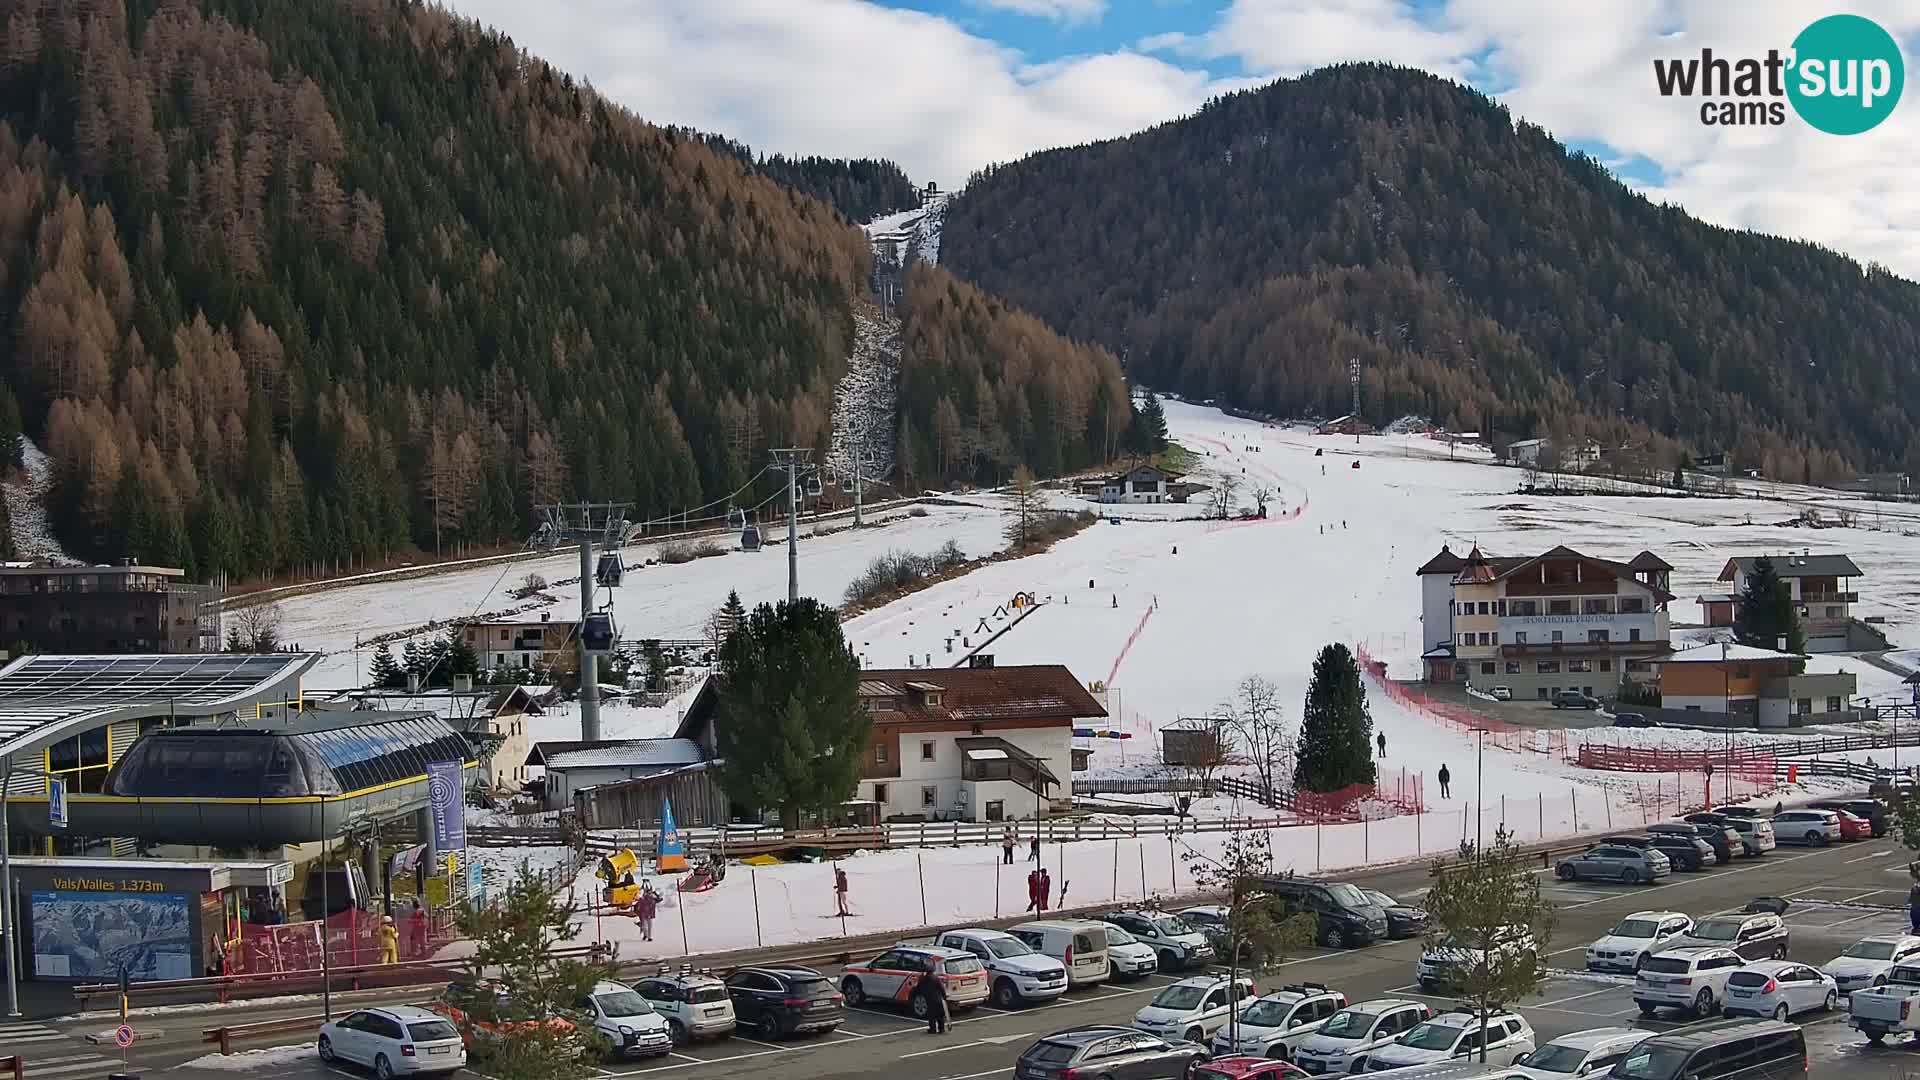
520, 642
573, 767
1821, 587
1140, 484
1346, 425
1895, 484
1539, 624
128, 608
1754, 686
1543, 453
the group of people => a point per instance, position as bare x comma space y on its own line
1039, 890
1009, 836
416, 935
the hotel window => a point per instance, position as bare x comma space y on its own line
1606, 665
1500, 608
1526, 607
1494, 638
1557, 635
1633, 634
1519, 637
879, 753
1486, 668
1806, 706
930, 796
1578, 665
1547, 667
1833, 613
926, 751
1559, 607
880, 793
1632, 605
1597, 636
1486, 639
1833, 704
1483, 607
1513, 667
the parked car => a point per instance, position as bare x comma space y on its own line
1634, 938
1080, 945
1633, 719
1574, 699
1854, 827
784, 999
624, 1019
1501, 693
1455, 1035
1685, 852
1346, 915
1344, 1041
894, 977
1780, 989
1755, 935
1725, 842
1871, 809
1279, 1020
393, 1040
1017, 973
1438, 963
1692, 978
1174, 941
696, 1005
1403, 920
484, 1009
1615, 862
1756, 833
1734, 1049
1211, 920
1882, 1009
1107, 1051
1127, 958
1193, 1009
1246, 1068
1866, 962
1814, 828
1592, 1054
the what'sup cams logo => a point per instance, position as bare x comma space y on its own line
1843, 75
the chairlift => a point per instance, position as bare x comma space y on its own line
610, 570
597, 632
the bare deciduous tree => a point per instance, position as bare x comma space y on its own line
1225, 487
1262, 493
1258, 723
256, 628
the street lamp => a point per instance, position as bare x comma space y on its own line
1479, 783
1726, 709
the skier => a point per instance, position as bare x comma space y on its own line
840, 889
1006, 846
1383, 744
1446, 780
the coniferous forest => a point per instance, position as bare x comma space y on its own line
1483, 275
291, 286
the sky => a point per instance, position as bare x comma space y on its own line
945, 87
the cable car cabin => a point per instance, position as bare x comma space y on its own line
813, 486
750, 537
610, 570
596, 633
736, 518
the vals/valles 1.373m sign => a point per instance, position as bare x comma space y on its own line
1843, 75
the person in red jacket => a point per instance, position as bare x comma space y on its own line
644, 908
840, 889
1033, 890
417, 930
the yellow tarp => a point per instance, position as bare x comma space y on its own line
761, 860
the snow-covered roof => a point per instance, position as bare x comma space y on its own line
1793, 566
617, 754
1710, 653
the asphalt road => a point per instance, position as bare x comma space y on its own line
875, 1043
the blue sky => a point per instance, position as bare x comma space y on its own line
945, 87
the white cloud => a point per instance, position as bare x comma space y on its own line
854, 78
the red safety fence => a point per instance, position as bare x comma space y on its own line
1642, 759
353, 937
1500, 733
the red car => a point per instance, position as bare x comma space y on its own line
1854, 827
1246, 1068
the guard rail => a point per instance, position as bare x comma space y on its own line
225, 1036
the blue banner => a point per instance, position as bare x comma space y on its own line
673, 851
444, 795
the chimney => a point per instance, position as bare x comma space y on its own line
462, 684
545, 615
413, 682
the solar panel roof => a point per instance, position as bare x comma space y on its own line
41, 696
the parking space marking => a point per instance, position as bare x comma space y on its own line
1875, 855
848, 1034
1862, 896
690, 1062
756, 1042
938, 1050
1856, 918
1576, 997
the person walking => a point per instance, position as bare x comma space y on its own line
1033, 890
389, 941
417, 931
645, 907
840, 889
1006, 846
1446, 780
1046, 889
935, 992
1033, 845
1383, 744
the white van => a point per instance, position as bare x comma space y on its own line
1080, 944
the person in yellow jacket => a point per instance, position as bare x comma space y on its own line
389, 941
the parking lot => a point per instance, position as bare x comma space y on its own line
1830, 887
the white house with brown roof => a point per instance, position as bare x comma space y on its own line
1822, 590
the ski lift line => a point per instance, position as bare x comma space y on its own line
727, 498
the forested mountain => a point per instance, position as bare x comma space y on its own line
1480, 272
286, 285
861, 188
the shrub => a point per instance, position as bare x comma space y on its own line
898, 570
917, 511
685, 551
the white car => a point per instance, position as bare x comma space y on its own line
1175, 943
696, 1005
1867, 961
1591, 1054
1501, 693
1635, 938
1437, 964
624, 1019
1456, 1035
1193, 1009
1692, 978
393, 1040
1016, 972
1815, 828
1127, 958
1780, 989
1343, 1042
1278, 1021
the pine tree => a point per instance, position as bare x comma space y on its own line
656, 665
515, 941
412, 661
1766, 612
458, 657
1336, 728
790, 728
1152, 419
384, 673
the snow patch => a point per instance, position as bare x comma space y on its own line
247, 1060
865, 401
26, 496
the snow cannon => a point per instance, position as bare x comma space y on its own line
616, 870
1356, 464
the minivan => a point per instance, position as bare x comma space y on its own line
1726, 1050
1347, 916
1080, 944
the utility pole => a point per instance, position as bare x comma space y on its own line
1353, 379
584, 523
859, 474
796, 460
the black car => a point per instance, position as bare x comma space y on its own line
1684, 852
1403, 920
784, 1000
1870, 809
1107, 1051
1725, 844
1346, 915
1741, 811
1574, 699
1633, 719
1736, 1049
